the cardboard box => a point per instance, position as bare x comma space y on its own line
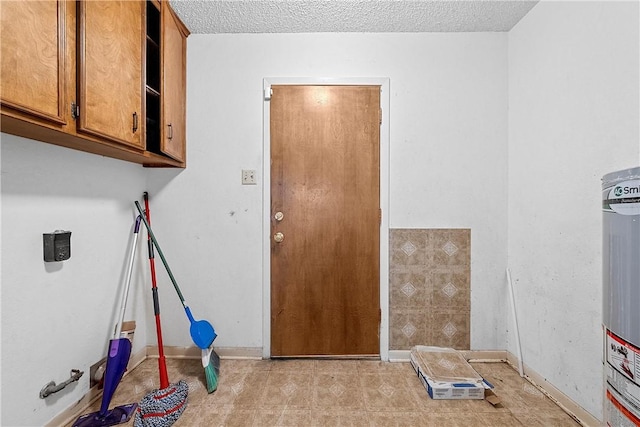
445, 374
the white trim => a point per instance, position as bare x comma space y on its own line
471, 355
567, 404
384, 84
399, 355
193, 352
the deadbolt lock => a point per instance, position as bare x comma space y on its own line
279, 216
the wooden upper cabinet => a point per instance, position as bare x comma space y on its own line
33, 58
174, 79
73, 74
110, 70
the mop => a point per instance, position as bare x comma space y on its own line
162, 407
117, 360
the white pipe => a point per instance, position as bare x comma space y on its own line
515, 322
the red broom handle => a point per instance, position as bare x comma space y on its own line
162, 364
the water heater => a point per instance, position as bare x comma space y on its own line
621, 296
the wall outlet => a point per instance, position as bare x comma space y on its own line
249, 177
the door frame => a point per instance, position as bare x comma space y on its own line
384, 84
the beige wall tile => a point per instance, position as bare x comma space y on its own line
408, 248
409, 289
408, 327
450, 247
450, 287
450, 328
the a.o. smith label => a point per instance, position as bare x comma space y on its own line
624, 198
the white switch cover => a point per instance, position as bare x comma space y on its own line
249, 177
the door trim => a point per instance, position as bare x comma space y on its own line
384, 84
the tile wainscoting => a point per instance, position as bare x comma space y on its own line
430, 288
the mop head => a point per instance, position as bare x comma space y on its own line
162, 408
117, 415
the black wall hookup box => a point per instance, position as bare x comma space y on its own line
57, 246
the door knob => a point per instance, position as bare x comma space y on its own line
278, 216
278, 237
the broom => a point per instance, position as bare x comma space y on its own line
202, 333
211, 365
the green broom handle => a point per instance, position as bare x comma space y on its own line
155, 243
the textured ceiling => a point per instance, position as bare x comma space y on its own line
309, 16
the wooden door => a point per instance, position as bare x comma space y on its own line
110, 70
33, 58
174, 78
325, 295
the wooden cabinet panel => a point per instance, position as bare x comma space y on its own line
110, 73
173, 139
33, 52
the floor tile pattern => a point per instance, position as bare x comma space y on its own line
430, 288
337, 393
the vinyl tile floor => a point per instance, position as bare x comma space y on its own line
336, 393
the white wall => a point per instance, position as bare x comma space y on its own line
573, 116
448, 162
60, 316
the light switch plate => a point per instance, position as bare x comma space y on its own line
249, 177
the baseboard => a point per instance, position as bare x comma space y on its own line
175, 352
136, 359
577, 412
472, 355
399, 355
253, 353
195, 353
485, 356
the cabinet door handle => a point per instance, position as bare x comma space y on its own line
170, 131
75, 111
135, 122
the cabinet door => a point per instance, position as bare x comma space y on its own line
174, 78
110, 70
33, 46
